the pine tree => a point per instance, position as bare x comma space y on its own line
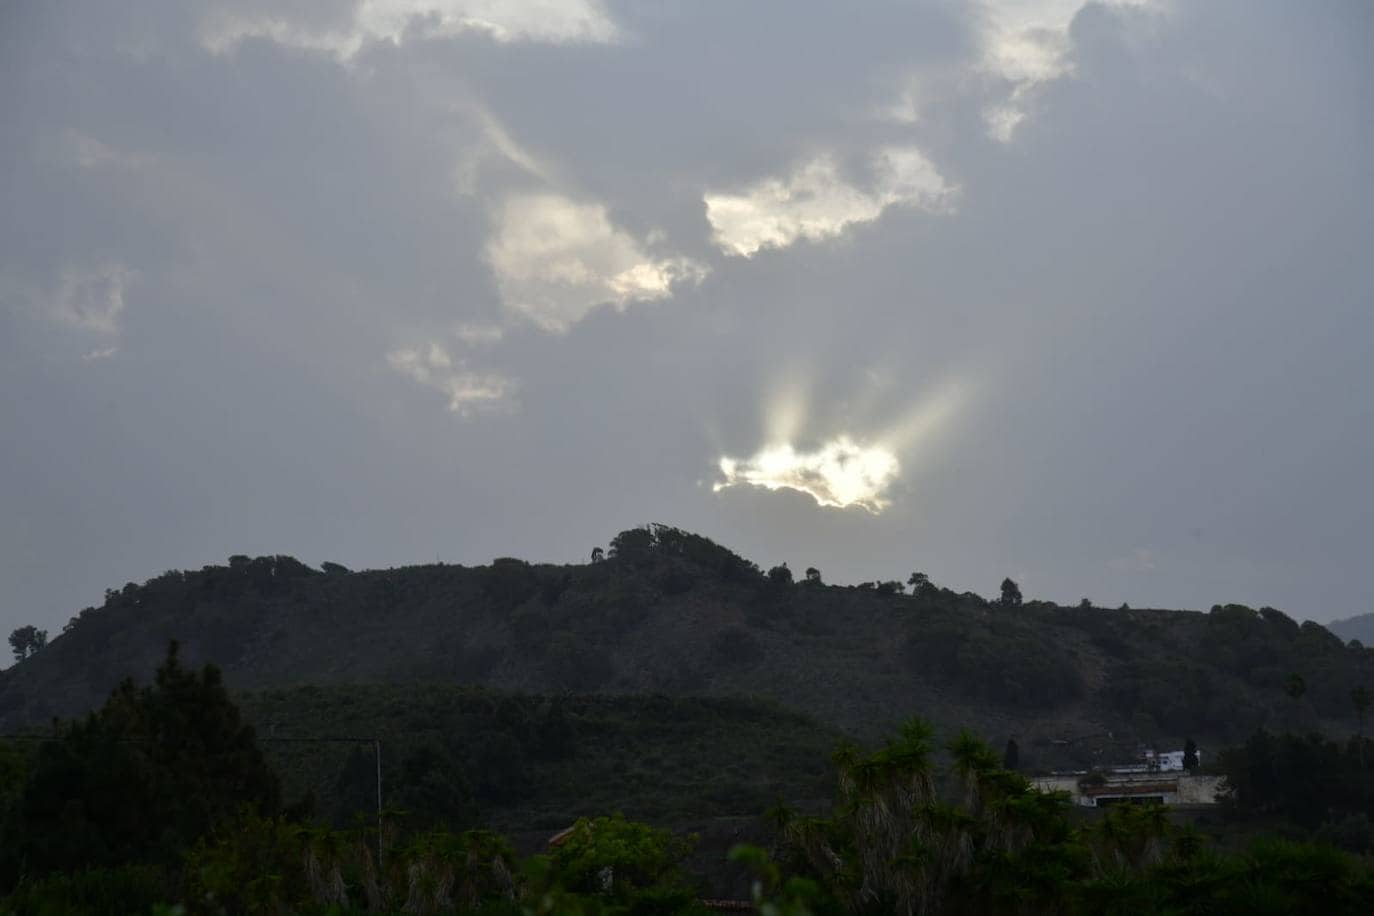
140, 780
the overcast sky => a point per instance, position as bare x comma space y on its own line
1081, 295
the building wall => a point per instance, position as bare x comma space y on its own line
1184, 789
1067, 784
1200, 790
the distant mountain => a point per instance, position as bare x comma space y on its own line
668, 612
1360, 627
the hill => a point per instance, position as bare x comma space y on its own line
668, 612
1360, 627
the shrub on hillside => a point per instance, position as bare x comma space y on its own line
1015, 667
735, 646
576, 665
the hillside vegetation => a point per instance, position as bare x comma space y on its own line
164, 796
462, 757
668, 612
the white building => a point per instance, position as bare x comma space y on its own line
1161, 788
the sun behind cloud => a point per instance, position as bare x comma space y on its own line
841, 473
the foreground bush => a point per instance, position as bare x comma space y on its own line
136, 782
263, 865
907, 838
118, 891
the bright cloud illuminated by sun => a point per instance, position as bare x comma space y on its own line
841, 473
556, 259
817, 201
1026, 43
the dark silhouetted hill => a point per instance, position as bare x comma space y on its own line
672, 613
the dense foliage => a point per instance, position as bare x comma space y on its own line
138, 781
913, 829
667, 611
991, 844
463, 756
1001, 662
1309, 781
26, 641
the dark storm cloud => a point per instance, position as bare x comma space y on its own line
277, 259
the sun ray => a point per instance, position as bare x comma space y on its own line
844, 470
920, 424
788, 406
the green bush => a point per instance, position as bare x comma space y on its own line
117, 891
629, 867
138, 781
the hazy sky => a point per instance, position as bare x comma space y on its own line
1083, 295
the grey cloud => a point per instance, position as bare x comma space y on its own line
91, 298
1154, 298
345, 30
468, 392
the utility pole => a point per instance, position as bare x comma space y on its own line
377, 751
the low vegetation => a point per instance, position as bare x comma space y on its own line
912, 828
460, 756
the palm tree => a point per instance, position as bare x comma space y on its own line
881, 850
973, 762
893, 846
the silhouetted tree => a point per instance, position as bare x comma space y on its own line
919, 583
813, 575
1306, 779
1011, 594
26, 641
598, 554
1086, 604
633, 544
891, 587
780, 575
1280, 621
1190, 761
138, 781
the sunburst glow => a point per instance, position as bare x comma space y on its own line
840, 473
